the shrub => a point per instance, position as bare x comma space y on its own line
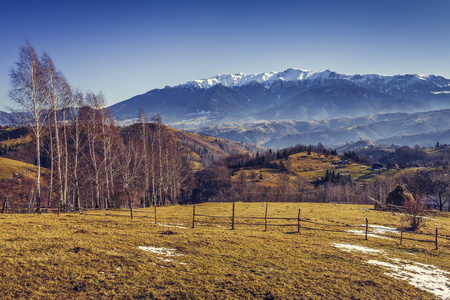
415, 215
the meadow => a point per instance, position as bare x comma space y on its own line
82, 256
10, 168
309, 167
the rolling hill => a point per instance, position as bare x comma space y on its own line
405, 129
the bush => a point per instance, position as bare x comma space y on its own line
415, 215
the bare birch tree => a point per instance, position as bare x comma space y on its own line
77, 146
159, 141
144, 138
130, 160
27, 90
93, 136
57, 92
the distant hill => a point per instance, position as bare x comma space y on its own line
402, 128
7, 118
426, 139
331, 102
201, 149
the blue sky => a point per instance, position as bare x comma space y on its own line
125, 48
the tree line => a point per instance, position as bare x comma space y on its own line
430, 186
92, 163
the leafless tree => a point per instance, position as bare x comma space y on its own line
77, 146
159, 141
93, 130
284, 186
440, 181
27, 90
144, 139
57, 92
107, 123
129, 162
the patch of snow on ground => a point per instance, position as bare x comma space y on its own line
176, 225
349, 248
375, 230
383, 229
426, 277
165, 252
363, 232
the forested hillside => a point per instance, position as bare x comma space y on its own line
95, 164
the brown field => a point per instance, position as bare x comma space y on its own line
74, 256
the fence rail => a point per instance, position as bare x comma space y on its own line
222, 220
299, 226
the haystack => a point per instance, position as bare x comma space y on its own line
399, 196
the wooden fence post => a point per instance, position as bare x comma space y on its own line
5, 206
193, 217
232, 219
298, 221
401, 233
367, 227
436, 238
265, 218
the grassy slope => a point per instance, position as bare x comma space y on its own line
8, 167
311, 167
11, 142
87, 257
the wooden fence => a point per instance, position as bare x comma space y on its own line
132, 213
233, 221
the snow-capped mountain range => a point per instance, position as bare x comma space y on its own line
265, 79
293, 94
295, 75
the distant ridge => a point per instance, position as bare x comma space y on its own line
293, 75
293, 94
424, 129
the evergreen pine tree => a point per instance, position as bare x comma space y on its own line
327, 176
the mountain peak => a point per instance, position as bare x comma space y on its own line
240, 79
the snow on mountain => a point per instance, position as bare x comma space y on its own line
382, 83
265, 79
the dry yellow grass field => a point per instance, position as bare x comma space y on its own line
74, 256
10, 168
